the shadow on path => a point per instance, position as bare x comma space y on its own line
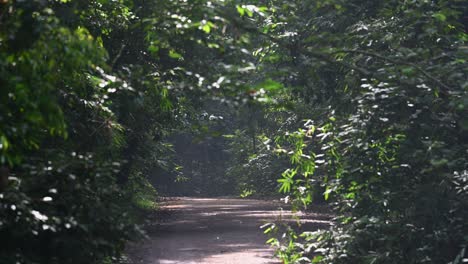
214, 231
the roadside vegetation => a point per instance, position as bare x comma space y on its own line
362, 105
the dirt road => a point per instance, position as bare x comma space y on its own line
213, 231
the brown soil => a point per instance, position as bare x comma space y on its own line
214, 231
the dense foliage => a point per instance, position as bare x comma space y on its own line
88, 91
385, 84
362, 102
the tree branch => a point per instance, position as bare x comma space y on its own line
445, 87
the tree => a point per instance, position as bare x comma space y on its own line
385, 84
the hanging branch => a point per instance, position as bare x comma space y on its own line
445, 87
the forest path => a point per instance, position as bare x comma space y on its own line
213, 231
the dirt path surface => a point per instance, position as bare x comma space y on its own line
213, 231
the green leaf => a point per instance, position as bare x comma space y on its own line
4, 144
175, 55
327, 192
269, 85
206, 28
439, 16
407, 70
153, 49
240, 10
317, 259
